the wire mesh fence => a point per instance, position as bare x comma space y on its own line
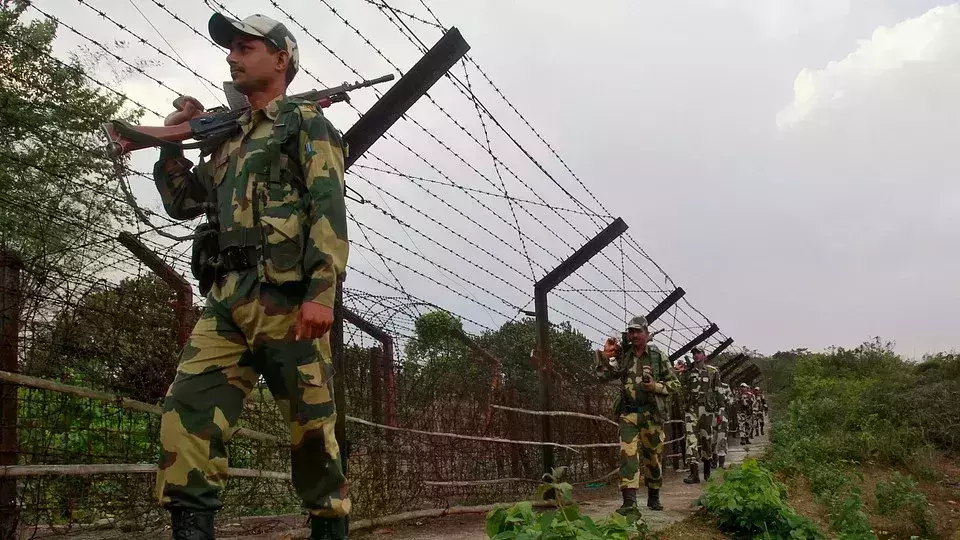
443, 409
453, 430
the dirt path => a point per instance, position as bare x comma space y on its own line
677, 499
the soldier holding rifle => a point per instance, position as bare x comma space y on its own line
274, 248
646, 378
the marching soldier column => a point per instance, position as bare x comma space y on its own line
702, 389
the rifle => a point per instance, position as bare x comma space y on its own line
211, 128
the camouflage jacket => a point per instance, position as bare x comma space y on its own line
630, 373
279, 189
726, 397
703, 387
745, 402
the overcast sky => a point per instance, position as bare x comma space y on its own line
790, 163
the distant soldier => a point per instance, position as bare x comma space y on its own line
702, 387
744, 413
646, 378
759, 408
723, 425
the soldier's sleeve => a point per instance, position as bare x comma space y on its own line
669, 384
180, 190
325, 255
715, 384
609, 374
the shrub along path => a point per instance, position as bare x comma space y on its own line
677, 499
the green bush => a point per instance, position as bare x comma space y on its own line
848, 407
521, 522
750, 503
901, 495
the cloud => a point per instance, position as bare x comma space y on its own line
932, 39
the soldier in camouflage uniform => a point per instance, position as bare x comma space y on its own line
274, 195
723, 425
744, 413
762, 402
703, 383
647, 379
757, 410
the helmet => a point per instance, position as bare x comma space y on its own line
696, 350
744, 385
637, 323
757, 388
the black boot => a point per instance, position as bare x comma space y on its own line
694, 477
189, 525
629, 502
721, 462
324, 528
706, 470
761, 429
653, 499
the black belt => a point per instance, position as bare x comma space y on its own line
236, 258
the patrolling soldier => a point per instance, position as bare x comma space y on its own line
274, 197
647, 379
700, 416
762, 402
757, 411
723, 426
744, 413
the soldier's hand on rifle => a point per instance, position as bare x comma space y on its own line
313, 321
611, 349
187, 107
649, 384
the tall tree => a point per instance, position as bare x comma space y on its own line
122, 339
59, 204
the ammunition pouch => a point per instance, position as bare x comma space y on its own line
206, 248
216, 254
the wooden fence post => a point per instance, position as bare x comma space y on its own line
10, 297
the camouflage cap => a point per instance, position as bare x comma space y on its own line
637, 323
696, 350
744, 385
223, 29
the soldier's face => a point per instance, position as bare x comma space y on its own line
699, 357
638, 338
253, 66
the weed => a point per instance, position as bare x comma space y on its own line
751, 503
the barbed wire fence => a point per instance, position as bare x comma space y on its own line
460, 210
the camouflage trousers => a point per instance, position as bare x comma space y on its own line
247, 331
720, 436
641, 443
744, 424
698, 429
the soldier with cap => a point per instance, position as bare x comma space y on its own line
646, 379
745, 413
723, 425
273, 193
758, 406
703, 383
761, 405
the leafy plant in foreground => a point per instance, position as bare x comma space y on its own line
522, 522
750, 503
